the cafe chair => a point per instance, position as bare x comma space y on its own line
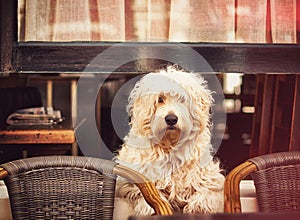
70, 187
277, 182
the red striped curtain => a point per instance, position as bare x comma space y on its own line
227, 21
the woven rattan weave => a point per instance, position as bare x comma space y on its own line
277, 181
68, 187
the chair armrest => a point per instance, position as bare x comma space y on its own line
232, 202
147, 188
3, 173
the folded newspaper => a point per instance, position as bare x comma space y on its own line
35, 116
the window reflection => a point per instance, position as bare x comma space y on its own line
224, 21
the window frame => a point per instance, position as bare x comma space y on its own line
60, 57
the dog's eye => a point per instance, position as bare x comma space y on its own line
182, 99
160, 99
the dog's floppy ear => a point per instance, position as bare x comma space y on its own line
206, 101
140, 113
202, 100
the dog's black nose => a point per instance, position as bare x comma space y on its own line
171, 119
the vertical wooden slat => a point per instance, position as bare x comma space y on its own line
49, 93
129, 21
294, 144
179, 20
37, 24
283, 21
73, 97
139, 17
72, 21
266, 115
21, 20
95, 20
276, 119
73, 107
202, 21
37, 20
212, 21
251, 21
268, 23
112, 20
158, 20
99, 110
276, 123
298, 20
257, 115
8, 33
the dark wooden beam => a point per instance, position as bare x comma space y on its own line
8, 33
294, 144
75, 57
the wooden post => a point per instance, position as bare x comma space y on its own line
49, 93
294, 144
74, 112
8, 33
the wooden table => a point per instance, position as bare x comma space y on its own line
58, 134
37, 135
240, 216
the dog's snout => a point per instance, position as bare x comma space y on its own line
171, 119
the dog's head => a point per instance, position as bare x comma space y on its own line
170, 107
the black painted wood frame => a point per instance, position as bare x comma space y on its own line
60, 57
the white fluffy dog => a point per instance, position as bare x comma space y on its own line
169, 142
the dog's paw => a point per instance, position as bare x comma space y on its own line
123, 209
204, 204
142, 208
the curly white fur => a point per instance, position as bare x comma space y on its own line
169, 142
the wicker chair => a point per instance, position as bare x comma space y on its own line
277, 181
70, 187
